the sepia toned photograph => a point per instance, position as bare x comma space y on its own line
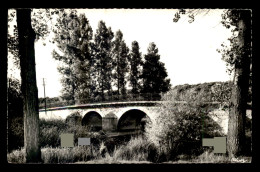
129, 86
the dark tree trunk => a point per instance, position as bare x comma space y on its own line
29, 87
237, 114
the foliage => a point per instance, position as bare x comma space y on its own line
50, 131
233, 53
178, 129
154, 73
72, 36
16, 156
15, 102
137, 149
92, 67
12, 42
49, 101
120, 55
113, 150
191, 13
103, 60
203, 92
15, 115
39, 19
15, 133
136, 63
12, 38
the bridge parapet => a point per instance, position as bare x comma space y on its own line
104, 105
106, 99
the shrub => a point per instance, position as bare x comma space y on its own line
49, 123
15, 133
15, 115
178, 129
84, 131
16, 156
50, 131
137, 149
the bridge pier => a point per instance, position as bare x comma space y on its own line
109, 122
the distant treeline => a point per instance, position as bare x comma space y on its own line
205, 92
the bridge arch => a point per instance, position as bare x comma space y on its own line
133, 119
93, 120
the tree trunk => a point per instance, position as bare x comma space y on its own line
237, 114
29, 87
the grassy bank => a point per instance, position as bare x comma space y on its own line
121, 155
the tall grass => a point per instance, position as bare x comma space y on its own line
69, 155
137, 150
58, 155
16, 156
210, 157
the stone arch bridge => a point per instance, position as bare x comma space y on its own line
113, 116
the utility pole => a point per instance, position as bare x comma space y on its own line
44, 96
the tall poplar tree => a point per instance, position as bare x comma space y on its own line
72, 36
154, 74
103, 60
135, 60
120, 63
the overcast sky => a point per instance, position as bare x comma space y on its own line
187, 49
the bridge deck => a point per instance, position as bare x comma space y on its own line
110, 104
